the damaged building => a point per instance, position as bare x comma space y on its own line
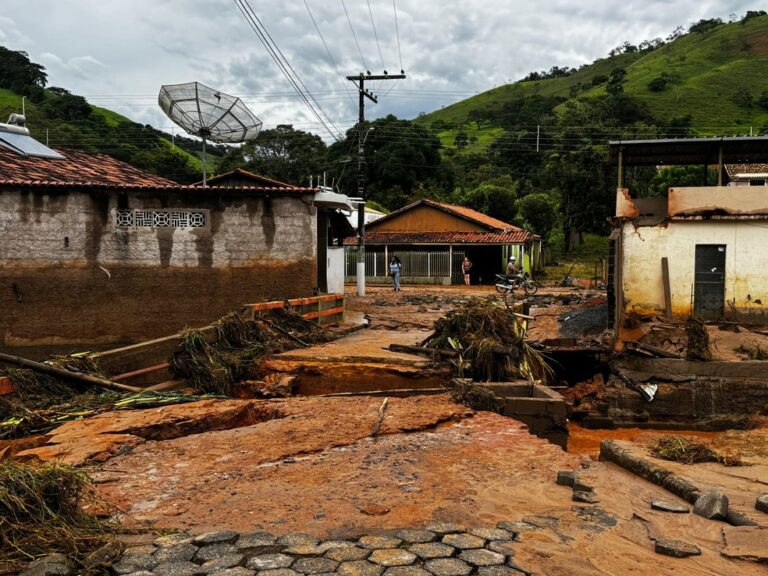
699, 251
95, 252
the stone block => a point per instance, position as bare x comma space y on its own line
505, 547
499, 571
666, 506
348, 553
214, 551
375, 541
676, 548
406, 571
712, 504
314, 565
429, 550
415, 536
237, 571
463, 541
761, 504
177, 553
270, 562
134, 563
359, 568
585, 497
490, 533
392, 557
446, 528
184, 568
220, 537
223, 562
298, 540
738, 519
482, 557
448, 567
566, 478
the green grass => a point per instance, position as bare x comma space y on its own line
707, 72
110, 117
582, 259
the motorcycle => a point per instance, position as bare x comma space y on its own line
506, 285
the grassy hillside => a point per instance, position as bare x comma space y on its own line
716, 77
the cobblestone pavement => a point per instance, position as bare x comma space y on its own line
439, 550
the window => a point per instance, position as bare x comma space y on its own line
139, 218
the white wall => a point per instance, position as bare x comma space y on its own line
335, 269
746, 265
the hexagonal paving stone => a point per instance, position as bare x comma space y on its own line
134, 563
482, 557
392, 557
314, 565
177, 569
143, 549
505, 547
258, 543
463, 541
348, 553
499, 571
432, 550
214, 551
306, 550
359, 568
446, 528
238, 571
223, 562
374, 542
448, 567
172, 540
270, 562
490, 533
177, 553
298, 540
406, 571
331, 544
415, 536
220, 537
279, 572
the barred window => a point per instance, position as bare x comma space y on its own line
126, 218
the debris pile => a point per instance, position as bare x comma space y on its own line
215, 367
490, 341
41, 511
685, 450
698, 341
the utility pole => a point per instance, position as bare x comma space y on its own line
359, 81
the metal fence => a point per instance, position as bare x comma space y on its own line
423, 263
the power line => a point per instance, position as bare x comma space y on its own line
397, 34
376, 36
330, 56
279, 58
352, 28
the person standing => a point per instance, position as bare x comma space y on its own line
395, 267
466, 267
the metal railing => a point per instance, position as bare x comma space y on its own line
424, 263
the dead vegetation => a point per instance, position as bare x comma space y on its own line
214, 367
699, 348
41, 511
687, 451
491, 343
474, 396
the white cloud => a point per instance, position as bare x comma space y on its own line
119, 53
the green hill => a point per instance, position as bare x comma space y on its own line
65, 120
714, 79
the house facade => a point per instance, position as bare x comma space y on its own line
432, 238
701, 250
94, 252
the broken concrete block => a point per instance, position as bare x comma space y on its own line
738, 519
566, 478
761, 503
712, 504
585, 497
677, 548
665, 506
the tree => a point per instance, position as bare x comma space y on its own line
18, 74
461, 140
496, 201
658, 84
539, 212
705, 25
762, 100
283, 153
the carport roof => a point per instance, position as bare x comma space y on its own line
691, 151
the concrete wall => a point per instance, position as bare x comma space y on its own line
746, 272
69, 276
718, 199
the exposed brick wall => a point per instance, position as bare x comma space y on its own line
81, 280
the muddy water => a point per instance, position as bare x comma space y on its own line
586, 442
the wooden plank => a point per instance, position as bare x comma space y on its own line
141, 372
667, 288
321, 313
266, 305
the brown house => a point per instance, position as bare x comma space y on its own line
431, 239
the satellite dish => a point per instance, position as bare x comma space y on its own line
209, 114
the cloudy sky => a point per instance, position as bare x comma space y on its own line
118, 53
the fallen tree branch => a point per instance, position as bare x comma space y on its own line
66, 374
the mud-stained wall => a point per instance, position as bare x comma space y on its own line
718, 199
746, 265
69, 275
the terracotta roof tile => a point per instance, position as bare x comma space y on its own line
516, 236
745, 170
76, 167
99, 171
